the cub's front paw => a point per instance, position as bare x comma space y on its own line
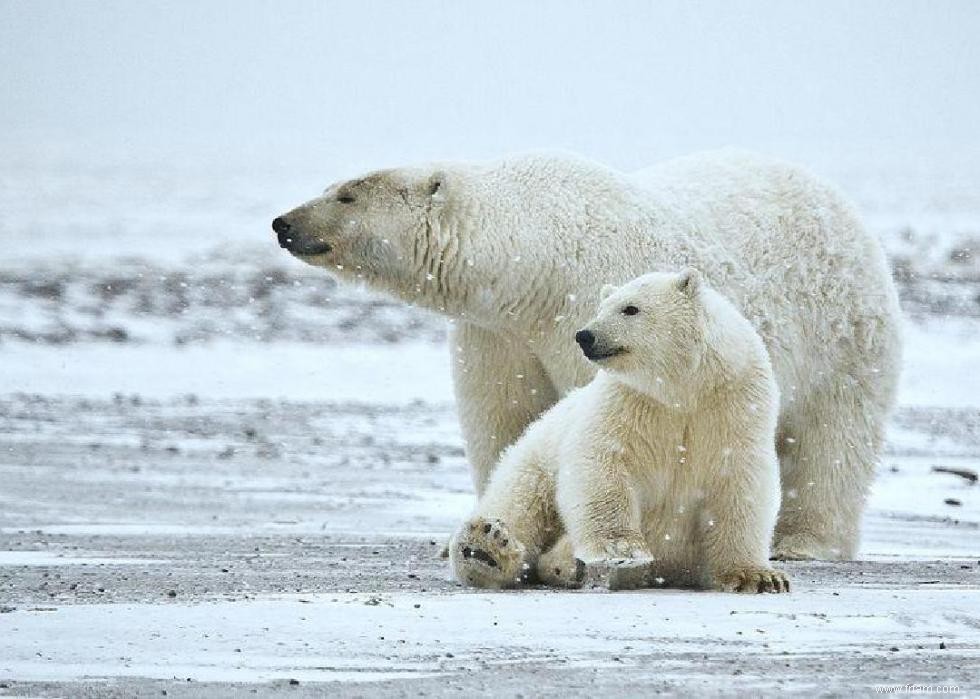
752, 579
484, 554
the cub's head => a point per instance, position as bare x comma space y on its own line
650, 330
371, 228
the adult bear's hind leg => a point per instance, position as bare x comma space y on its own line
828, 450
500, 389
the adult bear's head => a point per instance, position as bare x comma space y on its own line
487, 241
389, 228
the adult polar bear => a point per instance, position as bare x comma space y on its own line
516, 251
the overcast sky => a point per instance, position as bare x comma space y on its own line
396, 81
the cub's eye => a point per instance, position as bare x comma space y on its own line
630, 310
345, 199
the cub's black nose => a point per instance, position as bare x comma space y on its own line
281, 226
585, 339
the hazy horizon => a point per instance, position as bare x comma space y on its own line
388, 82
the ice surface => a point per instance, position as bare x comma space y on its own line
357, 637
369, 373
40, 558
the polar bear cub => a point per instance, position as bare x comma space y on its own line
663, 469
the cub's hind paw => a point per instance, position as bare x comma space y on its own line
558, 567
624, 573
568, 574
753, 580
484, 554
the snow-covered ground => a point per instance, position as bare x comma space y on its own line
218, 465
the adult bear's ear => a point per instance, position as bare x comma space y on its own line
689, 282
436, 186
606, 291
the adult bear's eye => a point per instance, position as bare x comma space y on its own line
630, 310
345, 199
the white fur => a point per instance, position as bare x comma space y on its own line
516, 251
666, 458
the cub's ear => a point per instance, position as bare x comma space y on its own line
689, 282
606, 291
436, 186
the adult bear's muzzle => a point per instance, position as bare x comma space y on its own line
292, 239
281, 226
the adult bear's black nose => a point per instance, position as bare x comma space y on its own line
281, 226
585, 339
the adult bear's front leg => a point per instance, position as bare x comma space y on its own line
500, 389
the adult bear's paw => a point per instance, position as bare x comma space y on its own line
485, 554
752, 580
802, 547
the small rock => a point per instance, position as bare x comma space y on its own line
953, 501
